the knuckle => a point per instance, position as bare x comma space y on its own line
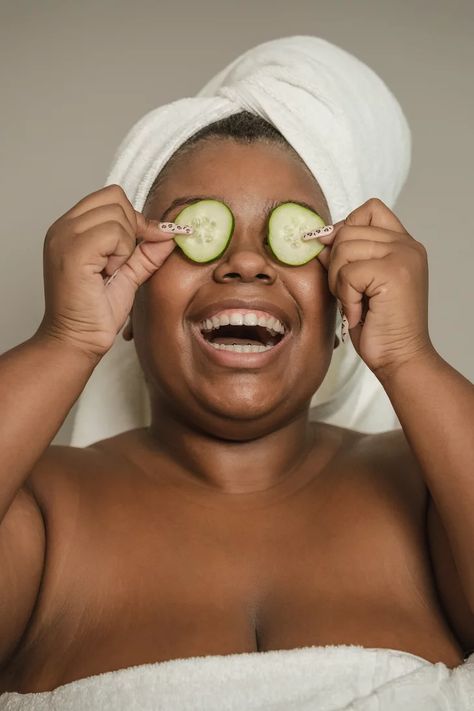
116, 189
340, 248
119, 212
344, 232
113, 227
53, 231
421, 249
335, 250
129, 219
342, 274
374, 202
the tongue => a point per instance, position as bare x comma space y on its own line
230, 340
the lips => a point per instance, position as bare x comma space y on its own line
233, 359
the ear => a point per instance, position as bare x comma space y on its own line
127, 333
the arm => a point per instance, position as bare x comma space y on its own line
40, 380
435, 406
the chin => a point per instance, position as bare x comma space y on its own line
243, 415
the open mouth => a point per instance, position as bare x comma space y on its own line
241, 338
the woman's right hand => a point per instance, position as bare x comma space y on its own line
83, 248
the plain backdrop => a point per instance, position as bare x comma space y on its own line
74, 77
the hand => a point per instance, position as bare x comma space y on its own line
95, 239
379, 274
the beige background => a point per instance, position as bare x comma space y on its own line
75, 76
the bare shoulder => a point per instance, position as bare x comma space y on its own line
389, 465
57, 474
391, 452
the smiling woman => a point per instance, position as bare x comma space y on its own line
268, 555
167, 331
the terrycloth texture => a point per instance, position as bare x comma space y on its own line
348, 128
332, 678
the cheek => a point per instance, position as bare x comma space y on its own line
166, 284
310, 289
165, 297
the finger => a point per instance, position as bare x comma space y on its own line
375, 213
106, 246
356, 280
324, 257
146, 258
152, 230
106, 213
105, 196
327, 240
354, 251
346, 233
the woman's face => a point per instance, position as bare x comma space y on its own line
238, 401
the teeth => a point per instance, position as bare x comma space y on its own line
248, 319
236, 319
240, 349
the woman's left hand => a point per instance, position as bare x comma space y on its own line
379, 274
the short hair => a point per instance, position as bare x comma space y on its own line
243, 127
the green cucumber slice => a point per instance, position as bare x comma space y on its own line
213, 225
286, 225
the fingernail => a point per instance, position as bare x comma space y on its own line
323, 232
172, 227
111, 277
344, 327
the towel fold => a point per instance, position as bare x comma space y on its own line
349, 130
331, 678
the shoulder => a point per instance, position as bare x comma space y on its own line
391, 458
388, 463
64, 474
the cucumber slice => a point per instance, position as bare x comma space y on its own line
286, 225
213, 225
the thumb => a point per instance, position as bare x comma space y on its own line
148, 229
327, 240
146, 258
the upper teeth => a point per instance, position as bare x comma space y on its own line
238, 319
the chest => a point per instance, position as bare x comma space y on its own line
140, 580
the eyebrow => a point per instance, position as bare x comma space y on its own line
270, 205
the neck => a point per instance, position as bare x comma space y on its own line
230, 466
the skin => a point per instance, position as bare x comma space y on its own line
198, 408
231, 524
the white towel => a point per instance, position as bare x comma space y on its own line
348, 128
332, 678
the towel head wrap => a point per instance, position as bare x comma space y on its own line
349, 130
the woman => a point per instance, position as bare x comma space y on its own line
232, 524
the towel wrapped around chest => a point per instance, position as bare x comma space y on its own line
331, 678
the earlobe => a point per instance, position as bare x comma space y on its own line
127, 333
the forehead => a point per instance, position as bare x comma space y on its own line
248, 175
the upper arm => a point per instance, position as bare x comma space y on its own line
22, 555
399, 456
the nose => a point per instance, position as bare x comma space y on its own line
247, 263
